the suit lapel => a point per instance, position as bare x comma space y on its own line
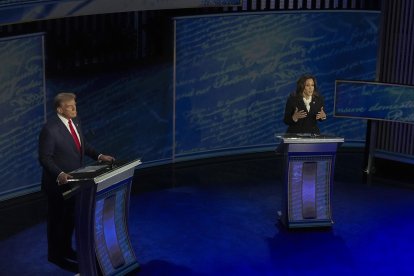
79, 129
314, 105
301, 105
67, 136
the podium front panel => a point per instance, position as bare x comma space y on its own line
102, 200
113, 248
308, 177
298, 199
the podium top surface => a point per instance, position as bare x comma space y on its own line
103, 170
309, 138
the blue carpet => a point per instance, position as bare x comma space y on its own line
222, 220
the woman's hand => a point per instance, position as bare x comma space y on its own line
298, 114
321, 115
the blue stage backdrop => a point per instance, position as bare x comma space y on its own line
125, 113
22, 113
376, 101
233, 74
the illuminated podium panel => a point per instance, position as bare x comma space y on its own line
309, 162
102, 194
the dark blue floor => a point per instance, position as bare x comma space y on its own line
221, 219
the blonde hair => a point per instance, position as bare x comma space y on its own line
63, 97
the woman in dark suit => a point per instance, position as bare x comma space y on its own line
305, 107
62, 149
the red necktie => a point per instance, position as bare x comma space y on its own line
74, 135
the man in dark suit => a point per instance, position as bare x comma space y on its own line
62, 149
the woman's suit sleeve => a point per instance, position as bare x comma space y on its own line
289, 110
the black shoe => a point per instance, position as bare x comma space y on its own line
65, 264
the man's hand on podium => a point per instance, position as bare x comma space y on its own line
63, 178
106, 158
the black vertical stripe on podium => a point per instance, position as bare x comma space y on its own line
309, 190
111, 238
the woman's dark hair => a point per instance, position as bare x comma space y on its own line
300, 85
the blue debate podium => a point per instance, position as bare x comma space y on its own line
308, 171
102, 193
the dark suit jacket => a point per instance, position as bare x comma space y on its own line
305, 125
58, 152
